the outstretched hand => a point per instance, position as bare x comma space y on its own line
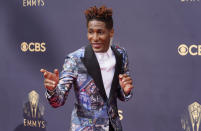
51, 79
126, 83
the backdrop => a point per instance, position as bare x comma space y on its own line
163, 41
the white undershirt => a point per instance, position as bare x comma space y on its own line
107, 63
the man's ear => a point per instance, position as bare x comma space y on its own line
111, 32
87, 35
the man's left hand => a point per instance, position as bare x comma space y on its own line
126, 83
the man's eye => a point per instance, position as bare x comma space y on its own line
100, 32
90, 32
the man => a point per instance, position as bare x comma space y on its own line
99, 74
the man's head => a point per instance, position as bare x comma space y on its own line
100, 27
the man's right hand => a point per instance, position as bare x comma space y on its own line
51, 79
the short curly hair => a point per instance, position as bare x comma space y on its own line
102, 14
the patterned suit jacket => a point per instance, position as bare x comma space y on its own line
93, 109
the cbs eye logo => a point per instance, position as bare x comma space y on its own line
183, 49
33, 47
192, 50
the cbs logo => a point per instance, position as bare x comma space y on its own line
192, 50
33, 47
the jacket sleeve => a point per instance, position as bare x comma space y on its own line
67, 78
125, 70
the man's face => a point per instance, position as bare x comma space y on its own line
99, 36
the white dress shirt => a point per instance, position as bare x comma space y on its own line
107, 63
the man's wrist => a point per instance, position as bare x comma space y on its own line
127, 93
51, 92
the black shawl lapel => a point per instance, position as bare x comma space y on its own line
91, 63
118, 70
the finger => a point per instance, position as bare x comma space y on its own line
49, 86
126, 79
56, 72
127, 82
125, 75
49, 81
129, 87
42, 70
120, 76
45, 74
122, 85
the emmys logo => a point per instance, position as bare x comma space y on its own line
194, 50
33, 3
190, 120
120, 112
33, 112
33, 47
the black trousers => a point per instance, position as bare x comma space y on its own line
110, 127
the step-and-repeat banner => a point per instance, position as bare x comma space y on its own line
163, 41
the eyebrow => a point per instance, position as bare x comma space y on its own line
95, 28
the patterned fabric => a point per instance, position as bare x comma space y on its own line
93, 109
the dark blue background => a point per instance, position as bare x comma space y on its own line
165, 82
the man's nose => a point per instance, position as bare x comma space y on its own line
95, 37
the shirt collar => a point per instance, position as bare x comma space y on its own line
108, 52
